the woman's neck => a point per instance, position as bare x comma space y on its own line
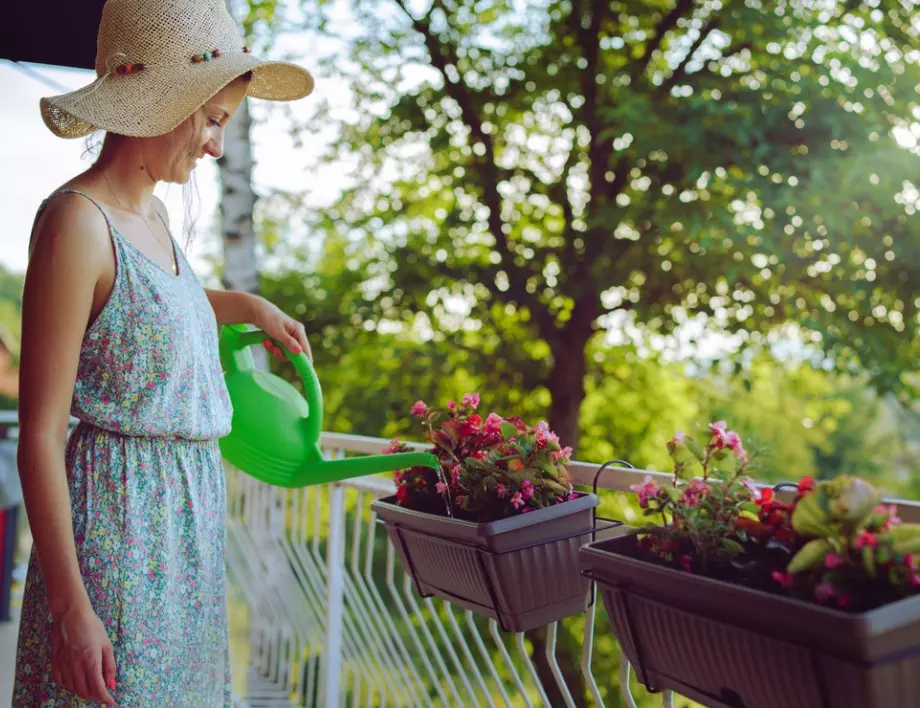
123, 167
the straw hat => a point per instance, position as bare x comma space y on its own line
157, 62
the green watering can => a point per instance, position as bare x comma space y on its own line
275, 434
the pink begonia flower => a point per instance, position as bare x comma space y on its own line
493, 424
719, 430
501, 491
471, 400
526, 510
398, 477
392, 447
455, 473
516, 501
564, 453
751, 486
865, 538
441, 487
420, 409
784, 579
891, 511
543, 434
451, 405
648, 489
733, 442
695, 491
833, 560
526, 489
679, 437
824, 592
686, 563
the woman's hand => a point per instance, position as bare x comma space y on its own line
279, 327
82, 659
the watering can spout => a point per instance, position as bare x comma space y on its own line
351, 467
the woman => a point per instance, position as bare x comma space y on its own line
124, 601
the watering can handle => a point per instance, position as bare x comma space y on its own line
234, 356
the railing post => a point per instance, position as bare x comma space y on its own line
335, 597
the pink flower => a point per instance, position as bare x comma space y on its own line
563, 454
572, 494
695, 491
493, 424
516, 501
648, 489
471, 400
526, 489
392, 447
686, 563
451, 405
399, 477
543, 434
526, 510
679, 437
783, 579
824, 592
733, 442
455, 473
719, 430
441, 487
501, 491
751, 486
865, 538
833, 560
891, 511
420, 409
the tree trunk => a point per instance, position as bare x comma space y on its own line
567, 386
237, 203
568, 665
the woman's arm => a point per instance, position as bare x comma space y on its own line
70, 254
234, 307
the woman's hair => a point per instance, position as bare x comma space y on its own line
191, 197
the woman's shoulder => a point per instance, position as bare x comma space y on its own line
71, 214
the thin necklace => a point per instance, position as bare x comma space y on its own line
174, 267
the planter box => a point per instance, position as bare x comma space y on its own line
521, 571
728, 646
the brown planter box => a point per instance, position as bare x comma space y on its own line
521, 571
728, 646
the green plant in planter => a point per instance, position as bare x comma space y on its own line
490, 469
855, 553
701, 507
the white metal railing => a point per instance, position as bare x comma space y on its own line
336, 622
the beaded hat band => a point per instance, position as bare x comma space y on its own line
157, 62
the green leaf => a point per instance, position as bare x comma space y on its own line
905, 538
508, 430
694, 447
732, 545
810, 555
868, 560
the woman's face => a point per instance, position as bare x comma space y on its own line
173, 156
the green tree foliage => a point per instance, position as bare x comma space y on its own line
547, 195
546, 171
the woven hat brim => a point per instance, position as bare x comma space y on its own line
156, 100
